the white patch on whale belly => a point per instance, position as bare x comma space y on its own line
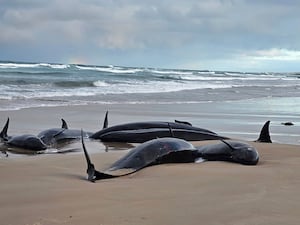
199, 160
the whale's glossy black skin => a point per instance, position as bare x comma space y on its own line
26, 141
144, 131
143, 135
140, 132
232, 151
173, 150
148, 125
56, 135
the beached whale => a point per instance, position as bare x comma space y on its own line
53, 136
143, 135
172, 150
26, 141
140, 132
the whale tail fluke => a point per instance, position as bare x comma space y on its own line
265, 134
64, 124
105, 123
3, 134
90, 166
93, 174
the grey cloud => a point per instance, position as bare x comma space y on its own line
192, 28
140, 20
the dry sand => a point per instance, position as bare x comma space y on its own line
51, 189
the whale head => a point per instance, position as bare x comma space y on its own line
244, 153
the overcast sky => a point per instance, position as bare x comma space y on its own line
234, 35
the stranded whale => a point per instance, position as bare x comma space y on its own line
26, 141
140, 132
142, 135
53, 136
172, 150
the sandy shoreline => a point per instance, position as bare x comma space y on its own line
52, 189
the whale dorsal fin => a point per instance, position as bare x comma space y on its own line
64, 124
183, 122
265, 134
3, 134
105, 123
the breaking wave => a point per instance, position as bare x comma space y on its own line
70, 82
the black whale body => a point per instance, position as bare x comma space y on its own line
26, 141
63, 134
140, 132
232, 151
148, 125
142, 135
173, 150
57, 135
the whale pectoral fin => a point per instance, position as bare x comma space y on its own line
229, 145
264, 135
59, 132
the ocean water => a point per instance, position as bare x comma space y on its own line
24, 85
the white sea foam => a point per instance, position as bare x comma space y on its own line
35, 91
212, 78
55, 66
206, 73
100, 83
17, 65
175, 72
32, 65
117, 70
5, 97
